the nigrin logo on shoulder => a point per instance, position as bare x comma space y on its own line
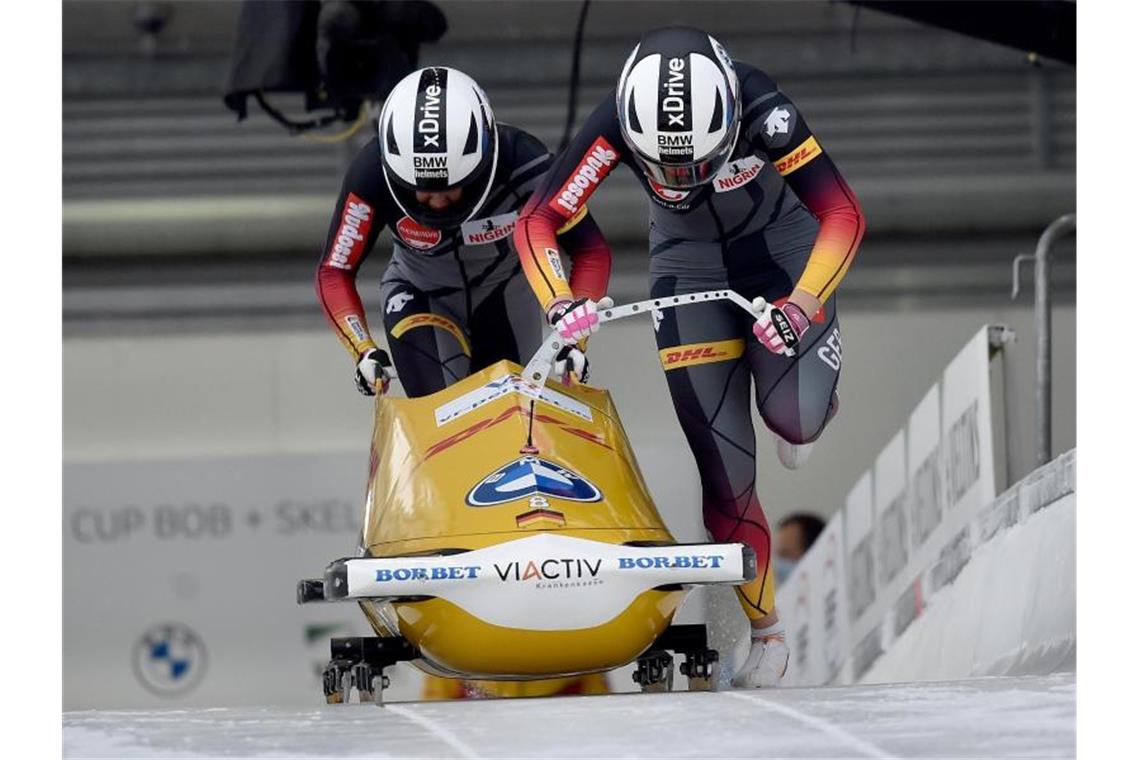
589, 174
737, 174
490, 229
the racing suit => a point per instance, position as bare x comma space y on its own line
778, 216
454, 300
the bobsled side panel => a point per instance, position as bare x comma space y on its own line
442, 469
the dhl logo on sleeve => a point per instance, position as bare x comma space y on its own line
807, 150
431, 320
693, 354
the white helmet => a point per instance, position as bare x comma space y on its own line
678, 103
437, 133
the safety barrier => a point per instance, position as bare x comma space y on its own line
909, 526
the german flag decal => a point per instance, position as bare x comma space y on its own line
540, 517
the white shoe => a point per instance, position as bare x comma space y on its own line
793, 455
767, 661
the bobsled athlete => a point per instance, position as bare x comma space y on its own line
744, 197
448, 181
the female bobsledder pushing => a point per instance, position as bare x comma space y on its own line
744, 197
448, 181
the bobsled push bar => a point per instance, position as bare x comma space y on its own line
538, 368
490, 582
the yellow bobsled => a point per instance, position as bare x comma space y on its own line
508, 534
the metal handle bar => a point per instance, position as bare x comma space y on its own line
538, 368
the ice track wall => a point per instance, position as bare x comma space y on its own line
926, 573
1010, 611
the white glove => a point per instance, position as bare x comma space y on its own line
374, 368
572, 361
575, 320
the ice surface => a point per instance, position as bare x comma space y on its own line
987, 717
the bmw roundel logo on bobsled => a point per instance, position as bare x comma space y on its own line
531, 476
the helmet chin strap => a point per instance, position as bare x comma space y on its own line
490, 176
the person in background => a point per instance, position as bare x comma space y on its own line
794, 536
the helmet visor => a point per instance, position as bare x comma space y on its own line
451, 215
684, 176
680, 176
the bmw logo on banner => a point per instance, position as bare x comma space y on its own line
531, 476
169, 659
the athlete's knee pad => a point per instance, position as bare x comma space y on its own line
795, 416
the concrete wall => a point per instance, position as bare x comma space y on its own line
178, 396
1011, 611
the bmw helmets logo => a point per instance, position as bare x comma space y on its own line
169, 659
531, 476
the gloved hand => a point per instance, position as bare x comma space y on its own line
572, 361
779, 328
374, 368
575, 320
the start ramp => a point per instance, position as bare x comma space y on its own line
985, 717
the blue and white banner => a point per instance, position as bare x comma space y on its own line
548, 581
903, 533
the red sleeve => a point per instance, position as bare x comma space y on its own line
841, 224
590, 257
352, 234
558, 207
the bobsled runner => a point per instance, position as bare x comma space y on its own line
507, 534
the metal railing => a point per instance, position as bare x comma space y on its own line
1043, 320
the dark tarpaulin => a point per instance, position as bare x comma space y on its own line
1045, 27
274, 50
338, 52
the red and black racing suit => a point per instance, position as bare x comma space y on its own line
454, 299
778, 216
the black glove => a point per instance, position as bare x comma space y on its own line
374, 368
571, 360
